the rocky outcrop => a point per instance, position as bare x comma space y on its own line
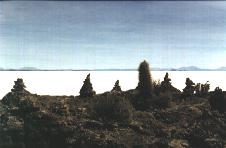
29, 120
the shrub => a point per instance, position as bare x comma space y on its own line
19, 86
17, 92
87, 88
142, 103
157, 87
188, 91
202, 89
117, 87
112, 108
162, 101
166, 84
217, 100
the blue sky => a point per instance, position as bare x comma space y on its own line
113, 34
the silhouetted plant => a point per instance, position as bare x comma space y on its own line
202, 89
117, 87
111, 108
145, 87
163, 91
16, 95
217, 100
166, 84
157, 87
19, 86
188, 91
87, 88
198, 89
205, 88
145, 80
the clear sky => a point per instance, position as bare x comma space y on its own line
115, 34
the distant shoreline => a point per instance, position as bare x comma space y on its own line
111, 70
186, 68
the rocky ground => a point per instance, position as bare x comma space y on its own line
33, 121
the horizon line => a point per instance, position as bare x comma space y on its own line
186, 68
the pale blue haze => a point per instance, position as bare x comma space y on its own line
98, 35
